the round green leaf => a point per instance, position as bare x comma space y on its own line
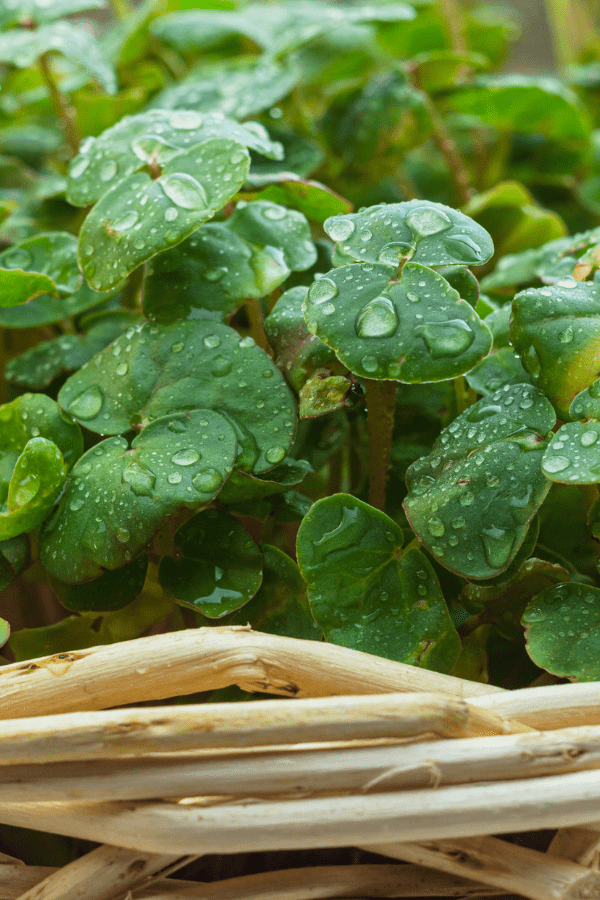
153, 370
254, 250
47, 310
117, 497
218, 567
562, 627
312, 198
366, 593
586, 404
280, 606
556, 332
425, 232
140, 216
32, 416
471, 501
153, 137
414, 330
573, 456
23, 47
36, 481
45, 264
112, 590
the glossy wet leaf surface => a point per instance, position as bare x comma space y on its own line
242, 486
316, 201
140, 216
47, 310
323, 394
562, 627
416, 330
424, 232
280, 606
22, 47
41, 11
366, 593
218, 567
46, 264
556, 331
153, 370
225, 263
33, 416
573, 456
153, 138
117, 497
471, 501
111, 591
499, 368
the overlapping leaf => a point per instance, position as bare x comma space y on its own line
424, 232
218, 567
225, 263
154, 370
573, 456
414, 330
45, 264
113, 590
40, 11
556, 331
152, 138
366, 593
47, 310
118, 496
140, 216
14, 554
471, 501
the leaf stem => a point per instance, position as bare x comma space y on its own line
254, 315
63, 110
571, 28
452, 16
120, 8
381, 408
445, 142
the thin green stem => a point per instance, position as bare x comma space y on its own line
62, 108
381, 408
254, 315
460, 394
454, 22
454, 161
571, 27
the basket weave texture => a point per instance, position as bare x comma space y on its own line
403, 762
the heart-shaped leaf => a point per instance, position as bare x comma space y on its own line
36, 481
117, 497
154, 370
471, 501
414, 330
280, 606
33, 416
425, 232
556, 331
218, 567
46, 264
562, 631
366, 593
39, 366
112, 590
152, 138
47, 310
312, 198
237, 88
298, 353
255, 251
139, 216
14, 555
22, 47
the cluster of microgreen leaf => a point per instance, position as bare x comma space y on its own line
249, 372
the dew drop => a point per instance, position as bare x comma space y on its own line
122, 535
125, 222
215, 274
185, 120
275, 213
526, 403
566, 336
467, 499
221, 366
377, 319
207, 480
122, 369
140, 480
436, 527
78, 166
369, 363
184, 191
212, 341
556, 464
458, 523
497, 546
463, 248
76, 503
108, 170
186, 457
426, 220
414, 298
532, 362
339, 229
446, 338
393, 254
275, 454
177, 347
532, 616
589, 438
174, 478
88, 404
171, 214
322, 290
328, 309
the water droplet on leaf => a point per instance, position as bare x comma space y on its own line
185, 457
88, 404
426, 220
377, 319
446, 338
322, 290
340, 229
184, 191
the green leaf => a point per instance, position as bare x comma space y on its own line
153, 370
4, 631
572, 457
556, 331
366, 593
117, 497
79, 632
14, 555
39, 366
501, 367
40, 265
424, 232
562, 633
312, 198
278, 29
238, 88
22, 47
32, 416
218, 567
318, 439
152, 138
301, 157
298, 353
525, 103
47, 310
112, 590
243, 486
280, 606
414, 330
324, 393
254, 250
40, 12
139, 216
471, 501
565, 535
